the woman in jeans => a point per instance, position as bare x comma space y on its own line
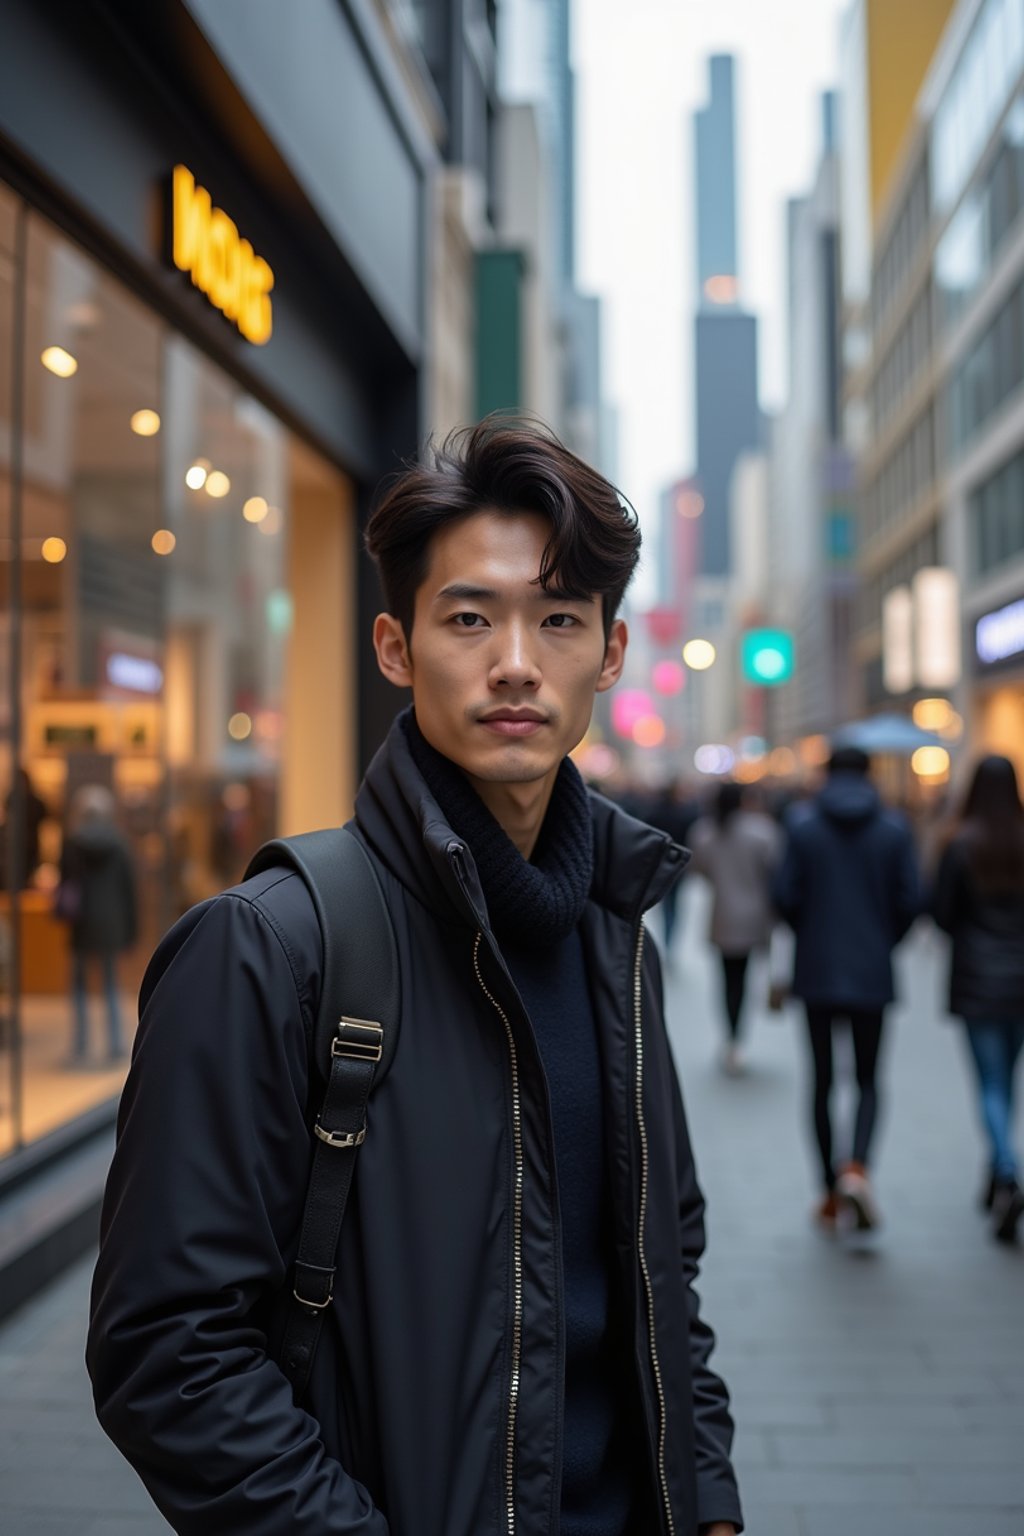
737, 850
979, 901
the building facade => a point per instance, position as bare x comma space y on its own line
811, 557
217, 331
974, 106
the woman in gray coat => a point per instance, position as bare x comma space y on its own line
737, 850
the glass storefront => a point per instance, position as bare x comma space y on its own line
154, 520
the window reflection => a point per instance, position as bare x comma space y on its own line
160, 505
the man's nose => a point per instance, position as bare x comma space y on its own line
515, 664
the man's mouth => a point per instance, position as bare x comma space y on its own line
514, 722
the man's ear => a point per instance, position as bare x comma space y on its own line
393, 654
614, 656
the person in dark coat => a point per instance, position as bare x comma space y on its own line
514, 1346
978, 899
672, 810
849, 888
96, 868
24, 814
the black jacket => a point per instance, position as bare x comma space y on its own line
849, 888
434, 1408
98, 858
986, 977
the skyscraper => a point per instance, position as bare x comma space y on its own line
728, 417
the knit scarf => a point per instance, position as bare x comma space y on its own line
537, 901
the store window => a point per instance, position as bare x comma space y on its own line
165, 517
9, 854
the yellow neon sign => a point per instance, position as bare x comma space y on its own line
206, 244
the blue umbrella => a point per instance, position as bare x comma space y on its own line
886, 733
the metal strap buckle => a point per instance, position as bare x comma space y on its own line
340, 1138
314, 1306
359, 1039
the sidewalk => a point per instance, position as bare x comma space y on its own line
878, 1392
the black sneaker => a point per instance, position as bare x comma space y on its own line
1007, 1209
987, 1198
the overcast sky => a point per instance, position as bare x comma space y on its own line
641, 72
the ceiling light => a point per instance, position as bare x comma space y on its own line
195, 475
59, 362
54, 550
217, 484
271, 524
255, 509
145, 423
163, 541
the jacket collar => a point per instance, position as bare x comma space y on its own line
634, 864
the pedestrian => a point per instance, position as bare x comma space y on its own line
737, 849
97, 898
24, 813
513, 1344
979, 900
673, 809
849, 888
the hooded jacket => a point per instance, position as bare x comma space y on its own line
849, 888
435, 1402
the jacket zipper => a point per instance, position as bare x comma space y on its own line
641, 1223
517, 1249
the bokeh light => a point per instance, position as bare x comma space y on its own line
699, 655
930, 762
649, 731
54, 550
628, 706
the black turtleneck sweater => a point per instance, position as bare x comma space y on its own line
534, 908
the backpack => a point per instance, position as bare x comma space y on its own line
351, 1046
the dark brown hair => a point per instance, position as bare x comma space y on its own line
506, 464
992, 822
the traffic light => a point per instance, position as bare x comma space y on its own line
767, 657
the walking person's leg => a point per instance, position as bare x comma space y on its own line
991, 1057
867, 1039
853, 1185
819, 1033
995, 1048
670, 912
734, 971
115, 1034
79, 1007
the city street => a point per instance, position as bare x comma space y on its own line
878, 1389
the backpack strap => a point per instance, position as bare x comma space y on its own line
352, 1045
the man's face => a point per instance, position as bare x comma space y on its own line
503, 674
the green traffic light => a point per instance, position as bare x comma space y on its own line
767, 656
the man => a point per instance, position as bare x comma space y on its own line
514, 1345
848, 887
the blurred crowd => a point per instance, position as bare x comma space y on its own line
827, 879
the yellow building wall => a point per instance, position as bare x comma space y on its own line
902, 36
318, 777
1000, 725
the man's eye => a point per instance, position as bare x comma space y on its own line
468, 620
562, 620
